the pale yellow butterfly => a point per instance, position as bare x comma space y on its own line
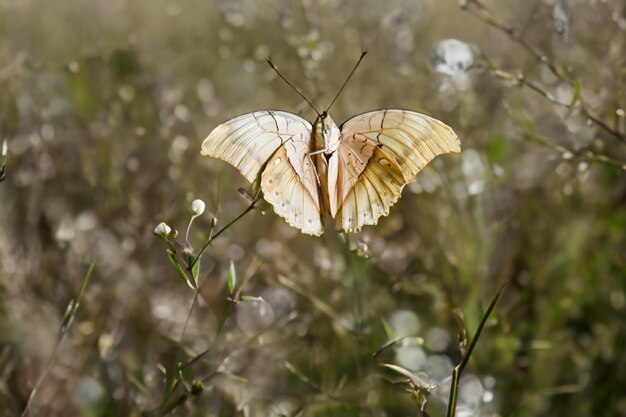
353, 174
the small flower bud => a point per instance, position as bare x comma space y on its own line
162, 230
5, 148
197, 207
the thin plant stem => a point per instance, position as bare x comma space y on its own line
183, 397
456, 372
68, 318
193, 304
230, 301
187, 232
225, 313
31, 397
175, 381
583, 154
222, 230
162, 409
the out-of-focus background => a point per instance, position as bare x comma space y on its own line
103, 107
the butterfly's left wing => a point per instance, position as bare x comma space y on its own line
379, 153
276, 146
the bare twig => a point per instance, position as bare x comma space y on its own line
583, 155
522, 80
486, 15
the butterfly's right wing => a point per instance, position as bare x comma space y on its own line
379, 153
274, 144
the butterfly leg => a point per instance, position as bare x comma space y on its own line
318, 152
310, 155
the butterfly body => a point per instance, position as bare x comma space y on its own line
353, 174
326, 135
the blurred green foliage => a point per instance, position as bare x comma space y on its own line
104, 105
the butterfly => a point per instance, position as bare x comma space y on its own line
353, 173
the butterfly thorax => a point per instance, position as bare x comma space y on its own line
325, 143
325, 134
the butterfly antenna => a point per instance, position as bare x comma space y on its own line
269, 61
347, 79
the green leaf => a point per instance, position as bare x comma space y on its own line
92, 266
72, 306
195, 272
252, 298
68, 317
232, 278
388, 344
416, 381
388, 329
179, 268
576, 95
171, 382
458, 369
297, 372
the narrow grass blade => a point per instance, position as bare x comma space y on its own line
66, 323
456, 372
179, 269
232, 278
